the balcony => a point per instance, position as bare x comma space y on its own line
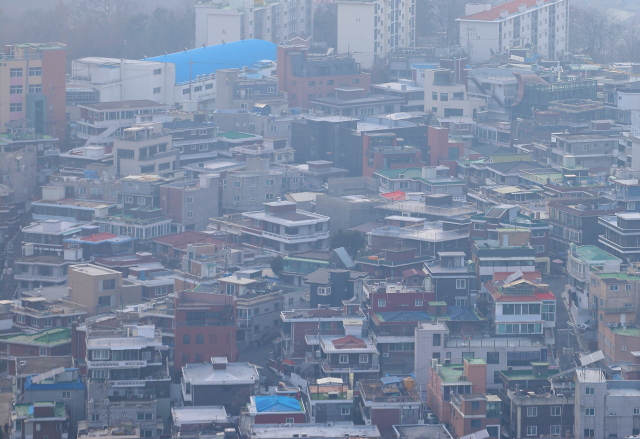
38, 278
349, 368
293, 239
127, 364
160, 155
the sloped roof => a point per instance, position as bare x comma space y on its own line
349, 342
494, 12
96, 237
276, 403
403, 316
462, 313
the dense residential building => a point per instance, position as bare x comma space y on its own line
33, 87
330, 287
54, 342
234, 90
38, 313
227, 22
355, 101
592, 151
392, 25
542, 25
491, 256
329, 400
452, 278
133, 359
103, 123
303, 74
144, 149
581, 260
621, 235
445, 96
204, 327
190, 203
219, 382
42, 419
384, 151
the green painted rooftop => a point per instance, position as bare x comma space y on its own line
625, 330
475, 361
234, 135
593, 253
53, 336
622, 275
26, 410
450, 373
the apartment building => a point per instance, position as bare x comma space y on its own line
621, 235
205, 327
303, 74
324, 408
100, 289
436, 340
235, 20
117, 80
33, 87
259, 182
134, 361
144, 149
605, 408
542, 25
281, 228
103, 123
446, 97
191, 203
581, 260
490, 257
196, 141
341, 356
355, 101
452, 278
19, 166
234, 90
391, 23
614, 304
586, 150
38, 313
54, 342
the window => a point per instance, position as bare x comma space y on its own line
290, 420
478, 226
186, 339
208, 86
236, 184
613, 287
95, 418
532, 430
199, 339
475, 405
108, 285
364, 358
493, 357
444, 96
190, 200
156, 90
20, 318
312, 83
636, 411
268, 196
190, 214
627, 287
15, 108
554, 430
343, 359
461, 284
66, 394
345, 411
157, 71
419, 302
476, 423
18, 426
144, 416
197, 88
142, 201
434, 96
82, 190
590, 411
15, 73
539, 248
46, 322
436, 339
493, 431
590, 391
556, 410
96, 191
532, 412
146, 433
15, 89
128, 200
589, 433
382, 302
324, 291
271, 182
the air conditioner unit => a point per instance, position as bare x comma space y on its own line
385, 355
254, 185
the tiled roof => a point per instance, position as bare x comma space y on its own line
349, 342
403, 316
276, 403
413, 272
494, 12
546, 296
99, 237
323, 275
188, 237
462, 313
531, 276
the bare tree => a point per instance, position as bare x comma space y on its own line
595, 32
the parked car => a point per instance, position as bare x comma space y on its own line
589, 324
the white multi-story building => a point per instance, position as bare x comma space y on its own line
390, 22
219, 22
283, 229
543, 25
125, 79
580, 261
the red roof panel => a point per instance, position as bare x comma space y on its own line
494, 12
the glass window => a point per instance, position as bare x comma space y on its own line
186, 339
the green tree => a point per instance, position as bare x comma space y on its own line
352, 241
276, 265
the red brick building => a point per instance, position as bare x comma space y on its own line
305, 75
442, 151
54, 342
205, 328
383, 151
40, 420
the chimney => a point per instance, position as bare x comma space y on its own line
504, 13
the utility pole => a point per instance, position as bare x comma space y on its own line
190, 85
469, 30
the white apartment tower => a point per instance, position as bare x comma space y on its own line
276, 21
391, 23
542, 25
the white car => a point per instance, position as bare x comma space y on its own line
587, 325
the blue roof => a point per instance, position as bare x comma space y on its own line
206, 60
405, 316
465, 313
390, 380
43, 385
276, 403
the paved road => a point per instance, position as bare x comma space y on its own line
564, 333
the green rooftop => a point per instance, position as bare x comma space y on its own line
475, 361
625, 330
451, 373
622, 275
441, 303
49, 337
591, 253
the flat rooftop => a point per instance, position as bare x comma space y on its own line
198, 415
121, 105
92, 270
234, 373
326, 431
